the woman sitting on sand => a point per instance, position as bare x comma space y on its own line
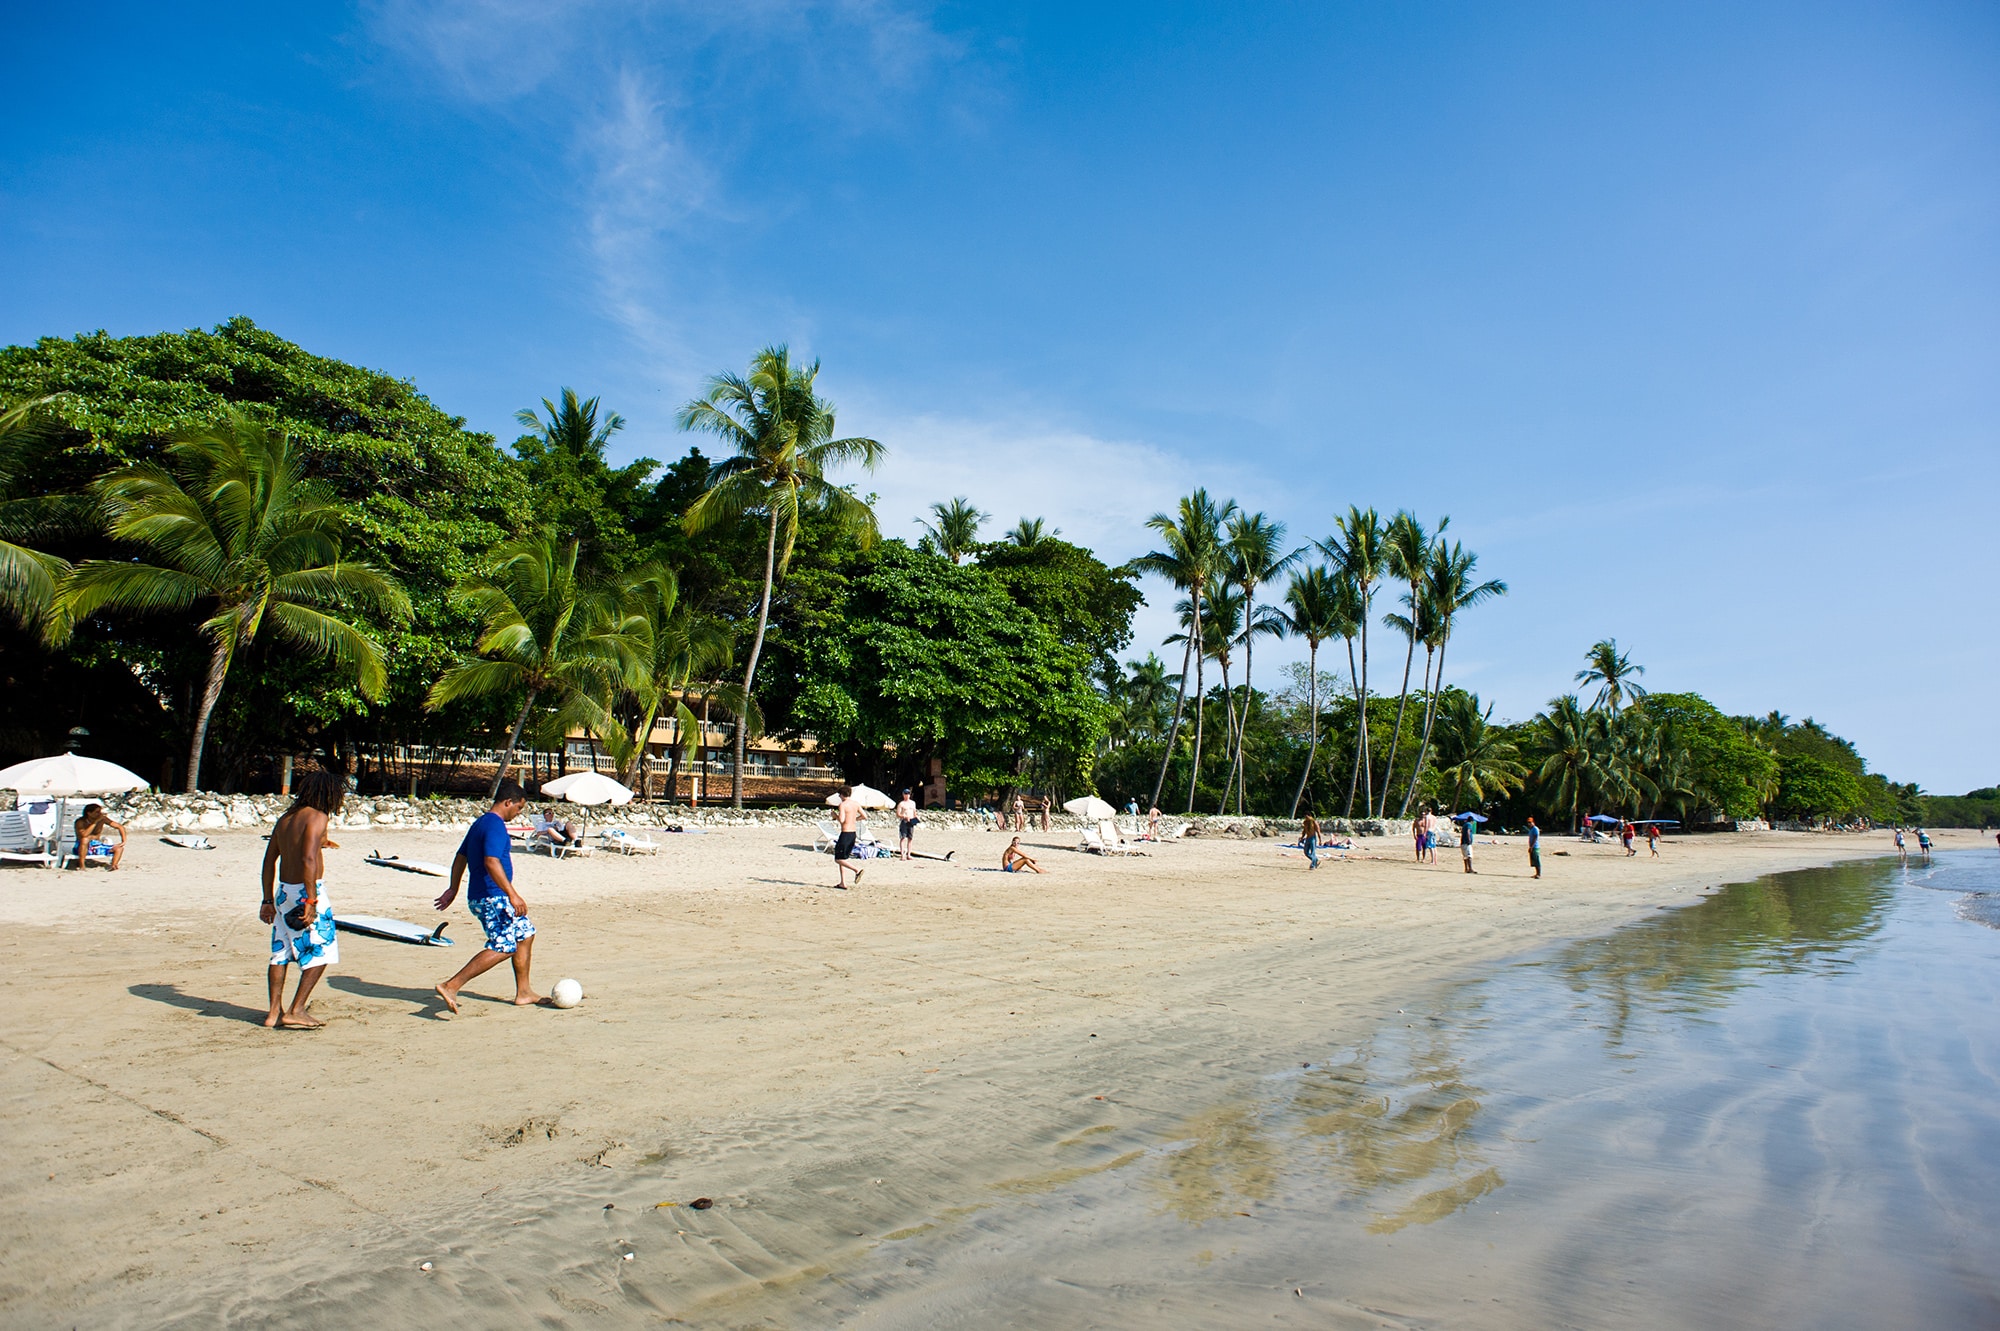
1015, 860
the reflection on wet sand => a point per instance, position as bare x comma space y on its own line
1228, 1163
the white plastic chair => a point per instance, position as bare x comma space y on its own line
19, 843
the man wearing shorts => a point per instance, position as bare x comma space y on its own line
487, 854
906, 824
1534, 848
91, 829
850, 815
1466, 830
295, 904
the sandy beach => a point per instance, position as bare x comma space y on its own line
833, 1069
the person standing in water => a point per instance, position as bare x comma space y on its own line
1924, 844
295, 904
1902, 851
487, 854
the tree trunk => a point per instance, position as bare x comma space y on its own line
1229, 739
1402, 700
1173, 731
1312, 705
1249, 659
1367, 759
1429, 653
507, 755
1354, 781
218, 670
756, 650
1430, 716
1200, 703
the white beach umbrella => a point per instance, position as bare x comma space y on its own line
1091, 809
70, 774
870, 798
588, 788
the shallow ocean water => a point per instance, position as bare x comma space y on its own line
1775, 1106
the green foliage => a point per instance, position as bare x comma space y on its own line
1976, 808
1085, 602
1812, 788
1730, 772
933, 659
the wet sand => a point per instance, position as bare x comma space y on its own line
833, 1069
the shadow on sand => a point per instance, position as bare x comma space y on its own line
171, 995
431, 1004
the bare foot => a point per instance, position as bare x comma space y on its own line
449, 999
530, 999
299, 1022
271, 1018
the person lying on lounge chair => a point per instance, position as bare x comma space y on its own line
1015, 860
548, 827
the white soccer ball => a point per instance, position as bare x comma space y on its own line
567, 993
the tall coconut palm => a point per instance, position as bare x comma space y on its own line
1192, 537
1031, 532
1475, 756
783, 436
1146, 692
31, 578
1360, 551
571, 425
1408, 547
1571, 741
1449, 585
237, 528
1254, 547
954, 529
1315, 609
1219, 630
1614, 674
544, 632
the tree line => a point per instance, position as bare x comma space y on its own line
216, 547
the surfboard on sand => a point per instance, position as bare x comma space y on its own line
375, 926
410, 866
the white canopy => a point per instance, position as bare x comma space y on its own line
587, 788
70, 774
1090, 809
867, 797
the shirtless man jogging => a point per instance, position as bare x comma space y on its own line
295, 904
493, 900
850, 814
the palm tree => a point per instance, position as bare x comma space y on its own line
1145, 692
955, 532
542, 630
782, 432
1031, 532
1315, 615
30, 578
1361, 552
1252, 546
1474, 755
1193, 540
1571, 741
1449, 586
234, 524
1408, 547
572, 426
1614, 674
1220, 628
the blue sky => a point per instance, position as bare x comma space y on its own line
1688, 315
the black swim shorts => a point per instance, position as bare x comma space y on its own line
843, 848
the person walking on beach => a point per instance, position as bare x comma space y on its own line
1902, 851
1534, 847
1467, 828
906, 824
850, 814
1417, 837
1924, 844
1653, 839
1430, 835
1153, 823
1015, 860
90, 830
295, 904
487, 856
1625, 834
1309, 839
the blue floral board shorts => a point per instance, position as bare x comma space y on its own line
505, 930
316, 944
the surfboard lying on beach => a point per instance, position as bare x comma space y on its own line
410, 866
375, 926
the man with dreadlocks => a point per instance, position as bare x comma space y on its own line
295, 904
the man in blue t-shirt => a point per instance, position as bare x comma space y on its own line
1534, 847
487, 853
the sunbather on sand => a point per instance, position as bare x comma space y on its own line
1015, 860
91, 831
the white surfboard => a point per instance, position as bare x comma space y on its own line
376, 926
411, 866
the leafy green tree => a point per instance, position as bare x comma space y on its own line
935, 660
545, 631
1614, 674
1731, 773
1474, 756
953, 530
578, 494
1812, 788
236, 526
1030, 532
29, 577
1192, 541
1142, 698
782, 434
1086, 602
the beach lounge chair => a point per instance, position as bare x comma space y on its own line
825, 834
625, 843
66, 842
1114, 843
19, 842
1093, 842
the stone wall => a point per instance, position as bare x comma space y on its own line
221, 813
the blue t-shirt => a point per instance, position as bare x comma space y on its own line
1534, 838
486, 836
